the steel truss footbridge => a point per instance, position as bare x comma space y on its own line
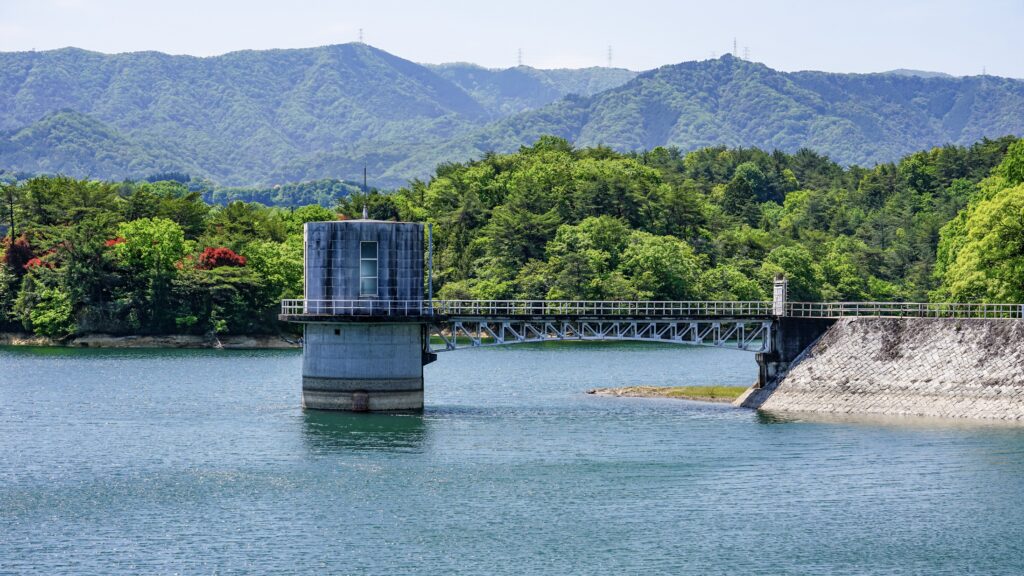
732, 324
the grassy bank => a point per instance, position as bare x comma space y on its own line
701, 393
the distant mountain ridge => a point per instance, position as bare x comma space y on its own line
272, 116
921, 73
513, 90
854, 118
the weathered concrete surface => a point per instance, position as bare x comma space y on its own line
952, 368
790, 337
332, 260
363, 366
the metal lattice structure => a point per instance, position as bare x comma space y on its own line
457, 333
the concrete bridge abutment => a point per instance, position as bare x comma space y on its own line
790, 338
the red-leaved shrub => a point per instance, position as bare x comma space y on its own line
17, 255
36, 263
217, 257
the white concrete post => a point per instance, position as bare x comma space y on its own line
779, 296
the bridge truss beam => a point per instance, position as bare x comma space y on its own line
742, 334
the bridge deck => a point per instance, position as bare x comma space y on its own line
420, 310
743, 325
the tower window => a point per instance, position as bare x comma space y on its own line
368, 269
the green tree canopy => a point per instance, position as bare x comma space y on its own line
985, 250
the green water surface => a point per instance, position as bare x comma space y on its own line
126, 462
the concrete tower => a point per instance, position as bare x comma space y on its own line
364, 318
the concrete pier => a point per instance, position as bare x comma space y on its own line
365, 338
349, 366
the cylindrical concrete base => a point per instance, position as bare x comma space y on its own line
362, 367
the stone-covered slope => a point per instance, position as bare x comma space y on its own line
911, 366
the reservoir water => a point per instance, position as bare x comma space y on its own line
117, 462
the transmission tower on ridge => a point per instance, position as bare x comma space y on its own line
734, 52
520, 58
746, 53
360, 35
609, 55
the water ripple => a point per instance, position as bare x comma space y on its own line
201, 461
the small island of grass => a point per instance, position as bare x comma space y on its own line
701, 393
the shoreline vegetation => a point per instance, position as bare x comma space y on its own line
549, 222
723, 394
228, 342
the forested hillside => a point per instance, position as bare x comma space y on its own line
263, 118
252, 117
854, 118
234, 118
549, 221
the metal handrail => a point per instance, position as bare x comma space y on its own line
599, 308
903, 310
526, 308
665, 309
355, 307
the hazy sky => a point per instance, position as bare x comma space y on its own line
854, 36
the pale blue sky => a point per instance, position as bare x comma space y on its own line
955, 37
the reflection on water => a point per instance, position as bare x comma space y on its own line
340, 431
128, 462
764, 417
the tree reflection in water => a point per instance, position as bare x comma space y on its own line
325, 431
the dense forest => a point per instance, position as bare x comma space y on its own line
149, 257
266, 117
549, 221
552, 221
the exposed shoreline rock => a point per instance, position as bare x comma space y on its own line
718, 394
234, 342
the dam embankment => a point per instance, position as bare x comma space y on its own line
953, 368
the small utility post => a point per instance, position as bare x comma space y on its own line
779, 291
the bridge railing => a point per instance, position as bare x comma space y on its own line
642, 309
584, 308
903, 309
600, 308
355, 307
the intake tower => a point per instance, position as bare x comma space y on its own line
364, 329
